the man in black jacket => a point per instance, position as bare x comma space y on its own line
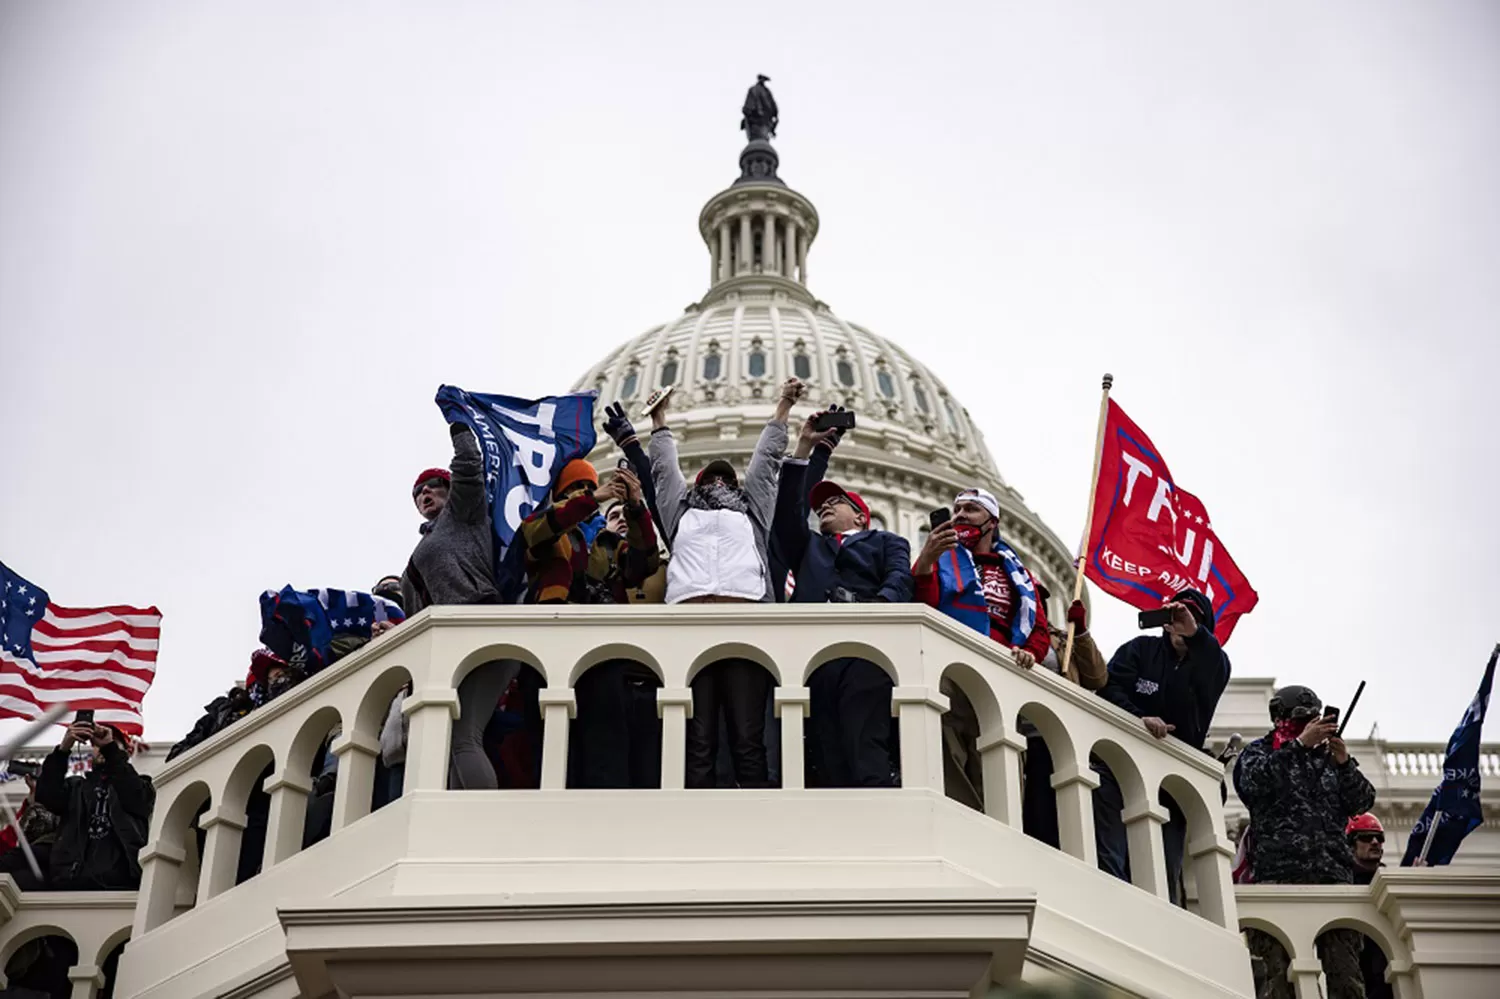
105, 814
850, 737
1172, 682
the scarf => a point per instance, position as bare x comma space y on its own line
1287, 730
718, 497
591, 529
960, 597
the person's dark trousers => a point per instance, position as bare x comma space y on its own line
616, 738
849, 726
253, 839
14, 863
1038, 799
740, 688
388, 784
317, 824
1112, 842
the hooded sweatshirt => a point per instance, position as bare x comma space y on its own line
454, 563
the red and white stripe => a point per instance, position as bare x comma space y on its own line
102, 658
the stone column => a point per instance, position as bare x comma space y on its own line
725, 271
794, 251
288, 816
559, 706
161, 866
674, 705
768, 245
802, 257
791, 705
713, 261
919, 711
1000, 761
1304, 974
1148, 855
1212, 860
356, 753
223, 828
746, 247
87, 980
1075, 811
430, 713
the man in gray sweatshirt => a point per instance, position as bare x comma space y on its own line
454, 563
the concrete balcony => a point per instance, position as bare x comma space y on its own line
1439, 928
96, 923
854, 892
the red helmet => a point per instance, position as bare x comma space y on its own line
1364, 823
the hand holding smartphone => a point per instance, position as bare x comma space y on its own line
1157, 618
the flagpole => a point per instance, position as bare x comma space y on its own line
1437, 818
1088, 524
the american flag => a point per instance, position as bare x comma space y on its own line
102, 658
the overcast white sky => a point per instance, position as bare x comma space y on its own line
241, 244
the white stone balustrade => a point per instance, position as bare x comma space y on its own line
425, 841
95, 922
1439, 928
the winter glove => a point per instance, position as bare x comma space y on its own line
1078, 616
617, 424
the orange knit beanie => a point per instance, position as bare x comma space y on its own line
576, 470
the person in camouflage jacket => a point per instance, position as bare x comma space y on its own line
1302, 787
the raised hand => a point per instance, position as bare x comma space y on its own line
628, 486
617, 424
808, 436
945, 538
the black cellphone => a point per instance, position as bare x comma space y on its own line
83, 716
939, 517
1330, 714
23, 768
1154, 618
839, 419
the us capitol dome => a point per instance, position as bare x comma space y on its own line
758, 323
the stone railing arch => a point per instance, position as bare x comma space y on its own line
436, 649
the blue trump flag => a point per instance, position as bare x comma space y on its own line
1455, 803
300, 625
525, 443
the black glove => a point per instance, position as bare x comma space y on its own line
617, 424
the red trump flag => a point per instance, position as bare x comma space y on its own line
1150, 538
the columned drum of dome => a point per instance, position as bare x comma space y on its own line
759, 324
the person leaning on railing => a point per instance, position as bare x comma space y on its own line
850, 736
103, 815
616, 740
37, 824
719, 534
454, 563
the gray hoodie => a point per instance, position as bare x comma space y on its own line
761, 478
454, 563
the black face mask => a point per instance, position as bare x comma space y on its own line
278, 685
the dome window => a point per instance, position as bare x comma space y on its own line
712, 365
757, 364
669, 373
920, 396
952, 414
802, 366
631, 383
845, 371
886, 383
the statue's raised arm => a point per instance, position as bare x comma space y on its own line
760, 117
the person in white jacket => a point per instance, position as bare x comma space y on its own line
719, 533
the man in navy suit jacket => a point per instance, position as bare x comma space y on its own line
851, 737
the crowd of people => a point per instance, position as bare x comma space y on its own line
649, 535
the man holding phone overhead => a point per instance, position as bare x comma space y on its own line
1172, 682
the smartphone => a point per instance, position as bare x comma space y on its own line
939, 517
623, 463
655, 398
83, 716
1154, 618
1330, 714
841, 419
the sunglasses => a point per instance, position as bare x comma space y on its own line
1369, 837
432, 483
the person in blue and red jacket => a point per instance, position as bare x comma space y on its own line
967, 571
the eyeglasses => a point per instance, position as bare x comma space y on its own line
432, 483
1369, 837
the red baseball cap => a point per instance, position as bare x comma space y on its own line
431, 473
825, 489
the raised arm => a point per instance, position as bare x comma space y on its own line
466, 491
789, 530
622, 432
765, 464
666, 473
